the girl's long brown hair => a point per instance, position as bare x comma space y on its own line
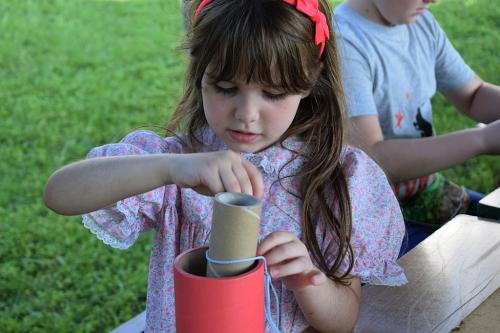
270, 42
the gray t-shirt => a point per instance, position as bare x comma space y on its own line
393, 72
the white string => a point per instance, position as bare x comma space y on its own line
267, 283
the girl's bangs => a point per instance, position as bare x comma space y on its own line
257, 49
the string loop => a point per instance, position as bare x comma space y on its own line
268, 287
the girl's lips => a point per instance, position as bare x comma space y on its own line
242, 137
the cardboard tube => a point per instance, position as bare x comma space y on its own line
234, 234
217, 305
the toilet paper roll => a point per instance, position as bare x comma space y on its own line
234, 234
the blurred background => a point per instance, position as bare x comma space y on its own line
77, 74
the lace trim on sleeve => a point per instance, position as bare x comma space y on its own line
104, 236
395, 276
393, 281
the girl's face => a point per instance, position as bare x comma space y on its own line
394, 12
248, 117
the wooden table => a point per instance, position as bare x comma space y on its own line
485, 318
450, 274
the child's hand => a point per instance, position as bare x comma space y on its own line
215, 172
288, 259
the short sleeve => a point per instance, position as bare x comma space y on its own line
377, 223
120, 224
356, 76
452, 72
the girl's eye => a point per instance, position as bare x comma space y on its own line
275, 96
225, 90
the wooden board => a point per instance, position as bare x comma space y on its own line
450, 274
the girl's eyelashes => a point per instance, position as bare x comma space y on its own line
225, 90
275, 96
231, 90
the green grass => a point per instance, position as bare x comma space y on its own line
77, 74
74, 74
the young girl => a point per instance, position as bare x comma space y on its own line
394, 57
261, 114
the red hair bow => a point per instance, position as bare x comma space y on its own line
310, 8
307, 7
201, 6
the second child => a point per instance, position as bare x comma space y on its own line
394, 57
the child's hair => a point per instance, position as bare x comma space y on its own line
272, 43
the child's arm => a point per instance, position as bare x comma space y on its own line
92, 184
328, 306
477, 100
404, 159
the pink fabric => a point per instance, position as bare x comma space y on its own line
181, 219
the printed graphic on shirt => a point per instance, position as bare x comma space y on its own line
410, 119
399, 117
422, 125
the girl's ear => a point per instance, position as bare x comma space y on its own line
317, 73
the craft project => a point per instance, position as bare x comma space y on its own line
223, 298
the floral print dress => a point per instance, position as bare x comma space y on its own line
181, 219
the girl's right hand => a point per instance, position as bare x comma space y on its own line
214, 172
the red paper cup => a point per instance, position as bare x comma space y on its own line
217, 305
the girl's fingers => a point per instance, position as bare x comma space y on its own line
296, 275
212, 173
292, 267
243, 178
229, 180
296, 279
213, 183
239, 175
255, 178
273, 240
285, 252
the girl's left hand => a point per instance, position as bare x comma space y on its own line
287, 258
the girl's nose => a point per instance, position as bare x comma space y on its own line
247, 110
